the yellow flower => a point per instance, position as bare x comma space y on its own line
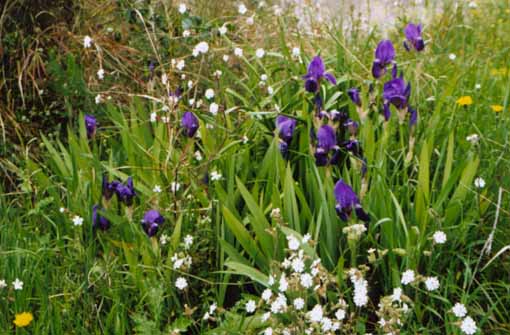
465, 101
497, 108
23, 319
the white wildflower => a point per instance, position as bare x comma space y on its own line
468, 326
298, 265
186, 33
283, 284
299, 303
87, 42
452, 56
213, 108
431, 283
98, 99
459, 310
100, 74
77, 220
209, 93
215, 175
315, 315
188, 241
478, 86
250, 306
200, 48
222, 30
154, 117
306, 280
296, 52
293, 242
340, 314
473, 138
260, 53
198, 156
3, 284
479, 182
180, 65
164, 239
238, 52
397, 294
242, 9
266, 295
182, 8
407, 277
439, 237
17, 284
181, 283
156, 189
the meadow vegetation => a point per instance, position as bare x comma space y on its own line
211, 167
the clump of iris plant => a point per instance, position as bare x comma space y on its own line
190, 124
99, 221
151, 222
347, 201
90, 125
384, 56
285, 126
414, 38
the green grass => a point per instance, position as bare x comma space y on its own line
78, 280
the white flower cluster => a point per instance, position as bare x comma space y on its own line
295, 290
355, 231
182, 261
360, 287
392, 309
467, 325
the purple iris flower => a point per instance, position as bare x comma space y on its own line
413, 36
326, 141
126, 192
190, 123
151, 222
384, 55
346, 201
99, 221
286, 127
396, 91
353, 93
316, 71
90, 125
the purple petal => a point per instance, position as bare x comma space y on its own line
316, 67
330, 78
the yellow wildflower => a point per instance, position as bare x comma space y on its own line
497, 108
465, 101
23, 319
